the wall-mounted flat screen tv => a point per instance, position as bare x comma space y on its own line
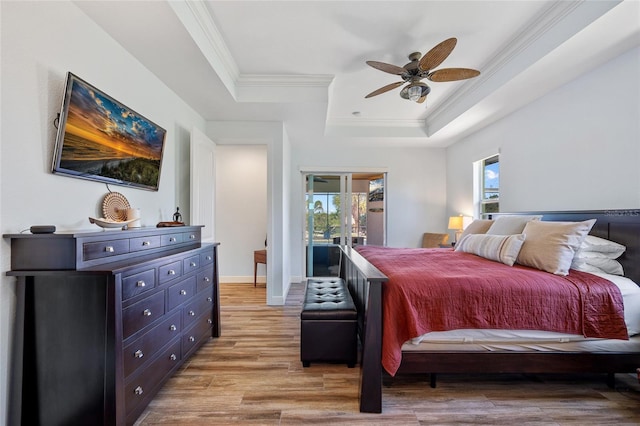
101, 139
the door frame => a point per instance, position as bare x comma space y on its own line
318, 170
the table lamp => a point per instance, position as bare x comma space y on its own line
456, 223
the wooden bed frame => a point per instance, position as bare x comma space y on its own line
365, 283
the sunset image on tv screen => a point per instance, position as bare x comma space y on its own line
106, 139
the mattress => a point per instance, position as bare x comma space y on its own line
534, 340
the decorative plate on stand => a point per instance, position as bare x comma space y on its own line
114, 206
110, 224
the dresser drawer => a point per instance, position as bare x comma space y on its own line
191, 264
205, 279
181, 292
143, 386
146, 347
171, 239
170, 271
195, 335
202, 304
192, 236
206, 258
132, 285
142, 313
102, 249
144, 243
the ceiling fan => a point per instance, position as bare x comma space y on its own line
421, 67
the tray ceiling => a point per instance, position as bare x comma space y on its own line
303, 62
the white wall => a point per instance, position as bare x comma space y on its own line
40, 42
286, 211
415, 192
273, 135
241, 209
574, 149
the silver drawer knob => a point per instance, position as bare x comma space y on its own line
146, 243
173, 327
209, 321
109, 249
172, 239
138, 353
208, 257
138, 390
209, 299
171, 272
206, 279
173, 357
192, 237
193, 264
183, 292
141, 284
146, 312
192, 339
191, 313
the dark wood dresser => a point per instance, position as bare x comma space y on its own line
105, 318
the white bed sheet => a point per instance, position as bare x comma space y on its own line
493, 340
585, 345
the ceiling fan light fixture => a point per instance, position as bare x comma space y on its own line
414, 92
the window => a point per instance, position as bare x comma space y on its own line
327, 213
490, 185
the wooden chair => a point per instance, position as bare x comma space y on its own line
259, 256
434, 240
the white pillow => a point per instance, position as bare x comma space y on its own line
588, 268
509, 225
587, 260
551, 246
600, 245
501, 248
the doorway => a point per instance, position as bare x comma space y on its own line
341, 209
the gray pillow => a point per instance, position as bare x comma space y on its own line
551, 246
510, 225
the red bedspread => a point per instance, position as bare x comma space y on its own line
440, 289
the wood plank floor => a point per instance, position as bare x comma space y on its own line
253, 375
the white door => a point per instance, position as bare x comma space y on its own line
202, 182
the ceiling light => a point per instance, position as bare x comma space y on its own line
414, 92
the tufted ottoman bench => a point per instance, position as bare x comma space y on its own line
328, 323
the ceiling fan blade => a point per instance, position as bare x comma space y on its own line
422, 99
452, 74
391, 69
385, 89
437, 55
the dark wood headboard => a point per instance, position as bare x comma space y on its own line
621, 226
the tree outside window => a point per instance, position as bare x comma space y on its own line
327, 212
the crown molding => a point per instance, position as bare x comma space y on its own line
368, 122
307, 80
381, 128
283, 88
199, 23
556, 23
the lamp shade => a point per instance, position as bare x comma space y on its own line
456, 222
